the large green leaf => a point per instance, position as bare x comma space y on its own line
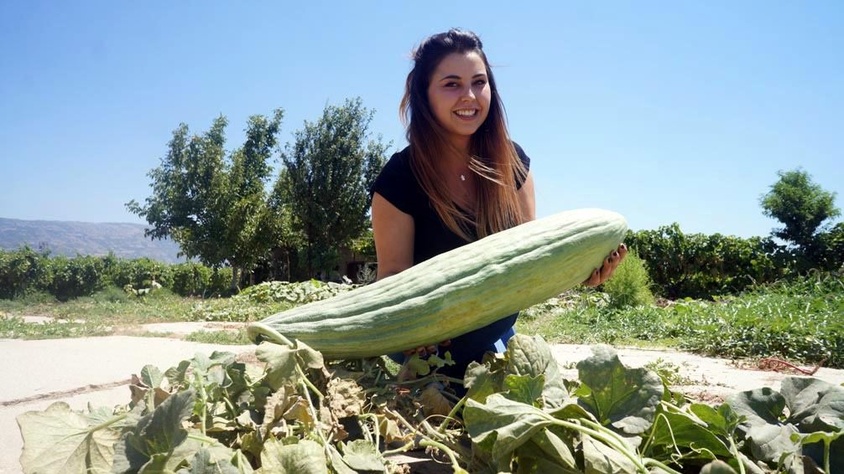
546, 452
622, 398
525, 389
156, 437
282, 361
761, 406
303, 457
814, 405
685, 431
207, 462
531, 356
598, 458
500, 425
58, 440
363, 456
772, 443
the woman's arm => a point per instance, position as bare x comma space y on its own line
527, 198
393, 231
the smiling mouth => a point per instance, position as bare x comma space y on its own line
468, 113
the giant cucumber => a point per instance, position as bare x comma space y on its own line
454, 292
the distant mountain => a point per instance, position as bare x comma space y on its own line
85, 238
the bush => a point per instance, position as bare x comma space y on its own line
630, 285
74, 277
139, 272
190, 279
23, 271
195, 279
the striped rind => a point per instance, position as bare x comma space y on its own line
454, 292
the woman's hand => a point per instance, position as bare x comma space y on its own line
602, 274
423, 351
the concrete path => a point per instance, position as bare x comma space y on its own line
34, 374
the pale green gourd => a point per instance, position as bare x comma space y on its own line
454, 292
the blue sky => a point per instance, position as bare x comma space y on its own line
663, 111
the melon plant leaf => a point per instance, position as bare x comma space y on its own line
303, 457
500, 425
814, 405
717, 467
531, 355
482, 381
772, 443
623, 398
362, 455
721, 421
598, 458
338, 465
679, 429
151, 376
282, 361
816, 444
546, 452
761, 406
204, 462
157, 435
59, 440
524, 388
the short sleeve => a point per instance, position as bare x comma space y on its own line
525, 161
397, 184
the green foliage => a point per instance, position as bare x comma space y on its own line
630, 285
74, 277
326, 179
701, 266
139, 272
797, 320
801, 205
211, 204
231, 338
294, 293
194, 279
23, 271
828, 254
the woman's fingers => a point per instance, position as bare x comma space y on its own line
611, 262
423, 351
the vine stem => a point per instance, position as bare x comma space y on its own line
271, 334
305, 385
598, 432
203, 397
428, 442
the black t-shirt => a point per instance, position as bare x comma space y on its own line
398, 185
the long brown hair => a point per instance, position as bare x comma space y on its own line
492, 155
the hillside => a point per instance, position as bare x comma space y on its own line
85, 238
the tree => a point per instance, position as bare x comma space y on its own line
211, 204
805, 209
327, 175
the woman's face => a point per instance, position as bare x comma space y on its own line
460, 95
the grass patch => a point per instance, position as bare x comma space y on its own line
231, 338
801, 321
12, 327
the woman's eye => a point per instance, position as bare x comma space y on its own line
480, 82
451, 84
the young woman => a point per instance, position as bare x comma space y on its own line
460, 179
